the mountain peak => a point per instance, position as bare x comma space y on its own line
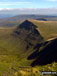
27, 25
29, 33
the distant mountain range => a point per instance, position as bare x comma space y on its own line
37, 17
15, 20
5, 13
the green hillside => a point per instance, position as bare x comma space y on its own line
18, 43
48, 29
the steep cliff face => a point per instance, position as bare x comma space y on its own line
28, 33
47, 55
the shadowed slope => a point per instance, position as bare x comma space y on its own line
28, 32
35, 54
47, 55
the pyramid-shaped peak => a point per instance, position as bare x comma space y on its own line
27, 25
27, 21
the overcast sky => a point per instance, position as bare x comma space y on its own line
28, 3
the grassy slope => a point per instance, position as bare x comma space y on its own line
11, 52
52, 19
10, 63
47, 28
8, 46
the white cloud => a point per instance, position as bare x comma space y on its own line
18, 11
14, 3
